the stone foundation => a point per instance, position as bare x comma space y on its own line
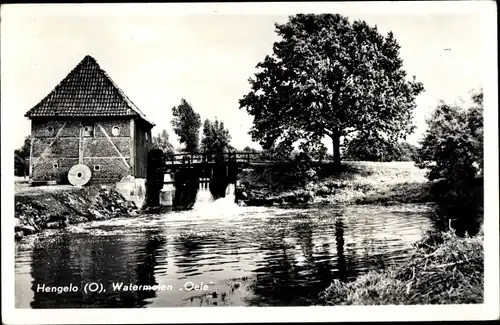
133, 189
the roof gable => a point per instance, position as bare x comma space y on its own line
86, 91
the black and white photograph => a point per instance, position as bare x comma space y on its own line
232, 156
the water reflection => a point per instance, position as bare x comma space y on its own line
189, 251
69, 261
459, 206
339, 241
146, 261
249, 256
51, 267
464, 216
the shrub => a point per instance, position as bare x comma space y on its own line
452, 147
452, 151
21, 158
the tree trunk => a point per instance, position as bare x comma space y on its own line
336, 149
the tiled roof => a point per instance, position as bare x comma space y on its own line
86, 91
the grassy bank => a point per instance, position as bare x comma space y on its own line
375, 182
353, 182
444, 269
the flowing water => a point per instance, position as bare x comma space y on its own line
216, 254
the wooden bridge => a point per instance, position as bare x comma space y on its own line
206, 170
208, 158
199, 167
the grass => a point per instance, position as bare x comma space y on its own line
444, 269
24, 188
405, 192
374, 182
352, 183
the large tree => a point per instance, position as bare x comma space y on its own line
162, 142
216, 137
187, 123
22, 158
329, 77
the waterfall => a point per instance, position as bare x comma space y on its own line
203, 197
230, 190
219, 207
228, 200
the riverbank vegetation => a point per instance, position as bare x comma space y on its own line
443, 269
451, 150
354, 182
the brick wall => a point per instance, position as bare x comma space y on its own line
110, 170
53, 163
101, 147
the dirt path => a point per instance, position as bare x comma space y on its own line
23, 188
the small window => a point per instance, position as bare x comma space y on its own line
55, 165
88, 130
97, 168
115, 131
146, 135
50, 131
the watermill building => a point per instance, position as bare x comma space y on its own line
87, 120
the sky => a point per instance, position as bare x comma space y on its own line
158, 56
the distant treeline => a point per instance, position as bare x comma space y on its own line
375, 149
359, 150
187, 125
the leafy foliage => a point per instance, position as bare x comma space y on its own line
162, 142
407, 151
452, 151
369, 147
452, 147
250, 149
216, 137
329, 77
187, 123
22, 158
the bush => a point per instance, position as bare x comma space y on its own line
22, 158
452, 147
289, 172
452, 152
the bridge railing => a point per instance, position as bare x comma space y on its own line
211, 157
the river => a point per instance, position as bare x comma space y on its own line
217, 254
